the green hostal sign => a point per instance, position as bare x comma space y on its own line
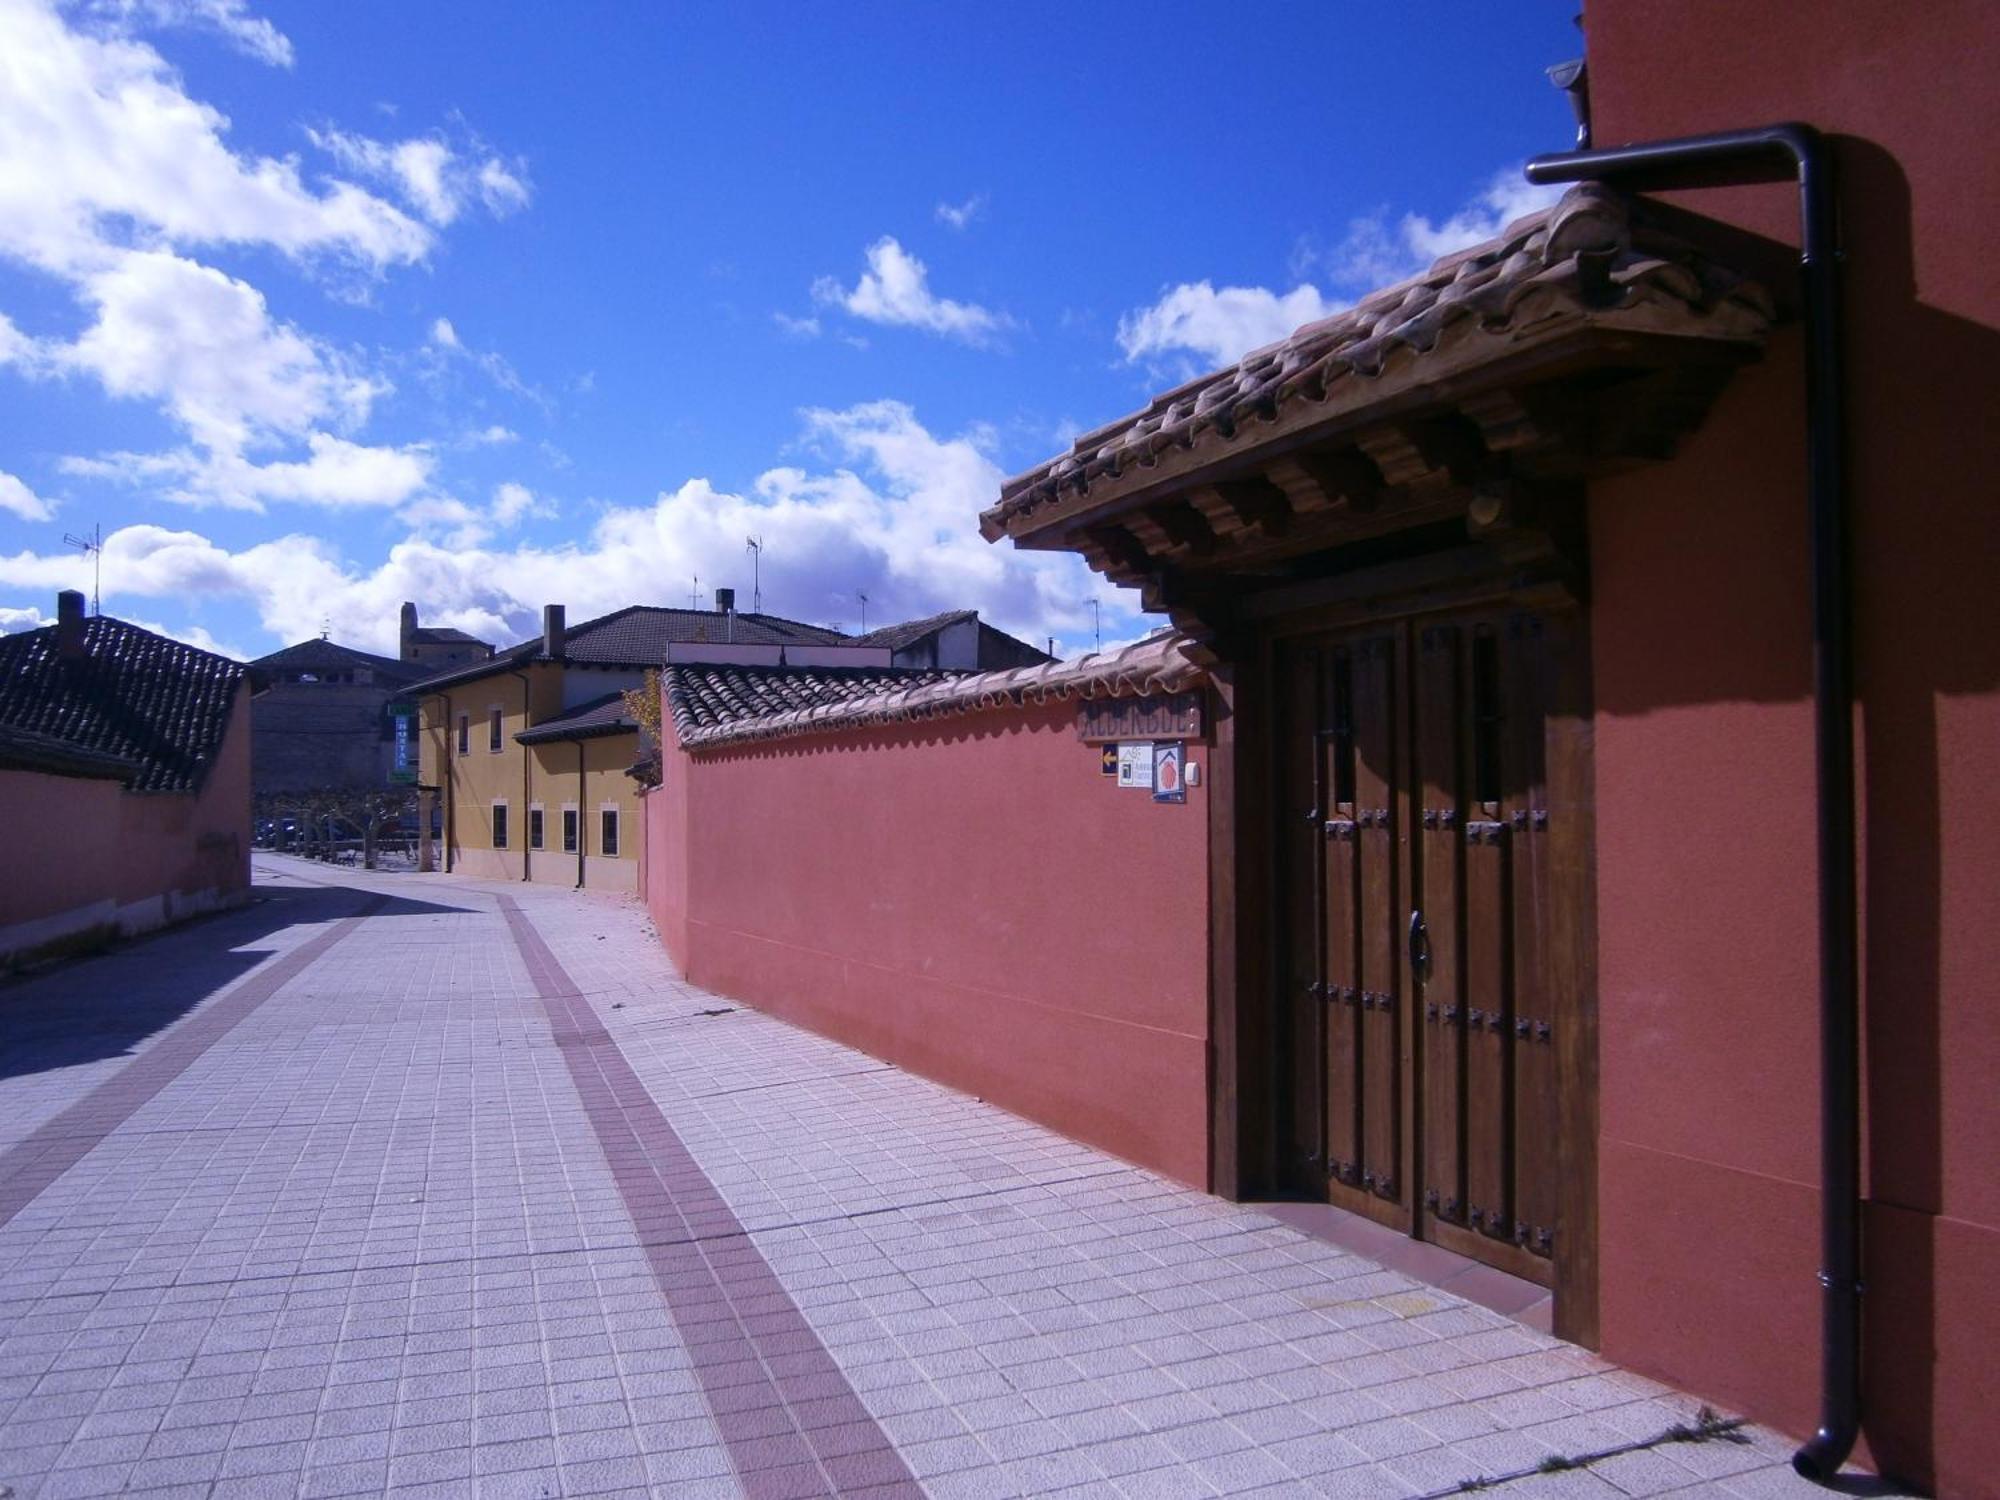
403, 757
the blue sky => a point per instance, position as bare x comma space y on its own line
318, 308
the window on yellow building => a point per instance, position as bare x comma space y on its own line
464, 734
499, 825
534, 828
569, 830
493, 730
607, 837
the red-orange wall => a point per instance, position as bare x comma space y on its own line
1709, 1157
74, 842
970, 899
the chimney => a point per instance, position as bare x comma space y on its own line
69, 625
409, 631
552, 632
725, 600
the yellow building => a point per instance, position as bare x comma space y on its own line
527, 749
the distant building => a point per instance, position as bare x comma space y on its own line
958, 641
438, 646
321, 717
124, 782
529, 748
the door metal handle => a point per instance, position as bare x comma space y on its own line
1420, 946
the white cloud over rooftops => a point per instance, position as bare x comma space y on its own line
883, 506
1223, 325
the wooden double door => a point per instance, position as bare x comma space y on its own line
1425, 937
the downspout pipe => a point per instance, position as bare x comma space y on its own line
582, 829
448, 764
527, 765
1739, 156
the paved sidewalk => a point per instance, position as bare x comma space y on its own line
415, 1184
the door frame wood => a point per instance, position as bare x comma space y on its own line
1244, 881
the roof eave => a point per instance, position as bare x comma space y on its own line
1459, 376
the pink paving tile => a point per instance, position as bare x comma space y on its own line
767, 1377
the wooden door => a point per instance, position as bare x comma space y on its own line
1421, 1072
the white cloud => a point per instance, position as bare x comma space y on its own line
112, 178
500, 188
252, 35
514, 503
335, 473
17, 499
1222, 326
1377, 252
13, 621
102, 146
887, 507
895, 289
446, 344
204, 345
959, 215
434, 176
494, 436
195, 636
798, 328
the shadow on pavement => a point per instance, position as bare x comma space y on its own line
86, 1009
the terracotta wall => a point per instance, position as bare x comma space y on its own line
970, 899
1704, 754
88, 852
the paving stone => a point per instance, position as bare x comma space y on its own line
471, 1195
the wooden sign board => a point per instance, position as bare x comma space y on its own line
1171, 716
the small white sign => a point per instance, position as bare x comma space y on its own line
1135, 764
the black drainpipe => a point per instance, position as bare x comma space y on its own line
582, 828
527, 764
449, 778
1733, 157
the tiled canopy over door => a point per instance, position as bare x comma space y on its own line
1417, 904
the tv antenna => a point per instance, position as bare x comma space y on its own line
864, 610
756, 546
1096, 624
694, 593
92, 547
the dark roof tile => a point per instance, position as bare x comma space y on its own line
162, 705
587, 721
638, 636
897, 637
703, 697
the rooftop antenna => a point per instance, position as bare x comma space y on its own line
92, 547
756, 546
1097, 624
864, 611
326, 627
694, 593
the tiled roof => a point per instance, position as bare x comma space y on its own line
132, 694
708, 718
442, 635
896, 637
25, 750
587, 721
1594, 257
319, 655
704, 698
638, 636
